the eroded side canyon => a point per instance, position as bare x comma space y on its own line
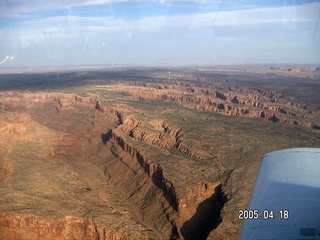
241, 101
72, 170
150, 155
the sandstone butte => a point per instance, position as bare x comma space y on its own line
74, 168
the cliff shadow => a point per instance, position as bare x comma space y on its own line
166, 187
206, 218
105, 137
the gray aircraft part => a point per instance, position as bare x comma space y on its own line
285, 201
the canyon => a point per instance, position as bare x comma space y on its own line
240, 101
127, 155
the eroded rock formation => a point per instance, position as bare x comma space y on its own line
156, 210
77, 167
233, 101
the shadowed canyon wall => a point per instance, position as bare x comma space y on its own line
141, 182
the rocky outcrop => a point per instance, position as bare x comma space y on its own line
208, 212
144, 184
24, 226
69, 131
233, 101
151, 169
208, 200
165, 137
156, 139
167, 128
186, 150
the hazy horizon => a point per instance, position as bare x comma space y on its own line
159, 33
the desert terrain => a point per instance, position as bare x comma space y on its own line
144, 153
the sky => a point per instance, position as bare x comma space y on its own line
55, 33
